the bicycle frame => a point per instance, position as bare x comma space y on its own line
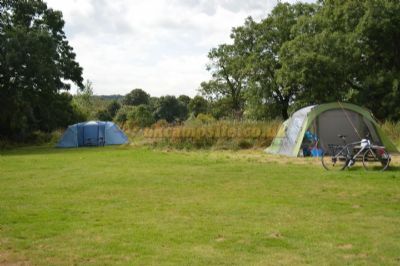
348, 153
343, 156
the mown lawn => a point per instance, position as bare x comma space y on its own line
112, 206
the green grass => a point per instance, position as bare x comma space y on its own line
124, 206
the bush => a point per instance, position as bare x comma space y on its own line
230, 134
136, 97
201, 119
160, 124
198, 105
123, 113
171, 109
205, 118
103, 115
141, 116
392, 130
35, 138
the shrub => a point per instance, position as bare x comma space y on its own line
136, 97
225, 134
198, 105
141, 116
122, 114
103, 115
171, 109
205, 118
392, 130
160, 124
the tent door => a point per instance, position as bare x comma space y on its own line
102, 135
91, 135
81, 141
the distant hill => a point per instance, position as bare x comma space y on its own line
110, 97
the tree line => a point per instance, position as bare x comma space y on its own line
303, 54
138, 108
300, 54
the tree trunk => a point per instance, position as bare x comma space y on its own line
284, 109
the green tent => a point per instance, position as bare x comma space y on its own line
327, 121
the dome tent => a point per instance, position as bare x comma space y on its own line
93, 133
327, 121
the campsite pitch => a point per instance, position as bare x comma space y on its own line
124, 206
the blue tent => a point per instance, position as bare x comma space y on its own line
93, 133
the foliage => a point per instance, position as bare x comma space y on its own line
109, 112
162, 123
103, 115
36, 63
348, 51
140, 116
205, 118
136, 97
184, 99
392, 130
113, 108
123, 113
84, 100
246, 70
171, 109
113, 97
304, 54
206, 132
198, 105
228, 77
95, 107
267, 92
221, 108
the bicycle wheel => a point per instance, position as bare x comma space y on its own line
334, 163
376, 160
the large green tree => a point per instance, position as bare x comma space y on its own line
348, 51
245, 72
171, 109
136, 97
266, 91
229, 72
198, 105
36, 64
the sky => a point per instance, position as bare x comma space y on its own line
160, 46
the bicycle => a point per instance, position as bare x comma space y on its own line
341, 156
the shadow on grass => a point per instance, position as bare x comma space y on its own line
358, 168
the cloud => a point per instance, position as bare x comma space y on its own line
158, 45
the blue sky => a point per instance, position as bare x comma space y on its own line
160, 46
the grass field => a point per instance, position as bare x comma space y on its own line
124, 206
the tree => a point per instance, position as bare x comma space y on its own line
229, 79
171, 109
36, 63
108, 112
113, 108
123, 113
84, 100
136, 97
266, 91
245, 72
184, 99
198, 105
348, 51
103, 115
141, 116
